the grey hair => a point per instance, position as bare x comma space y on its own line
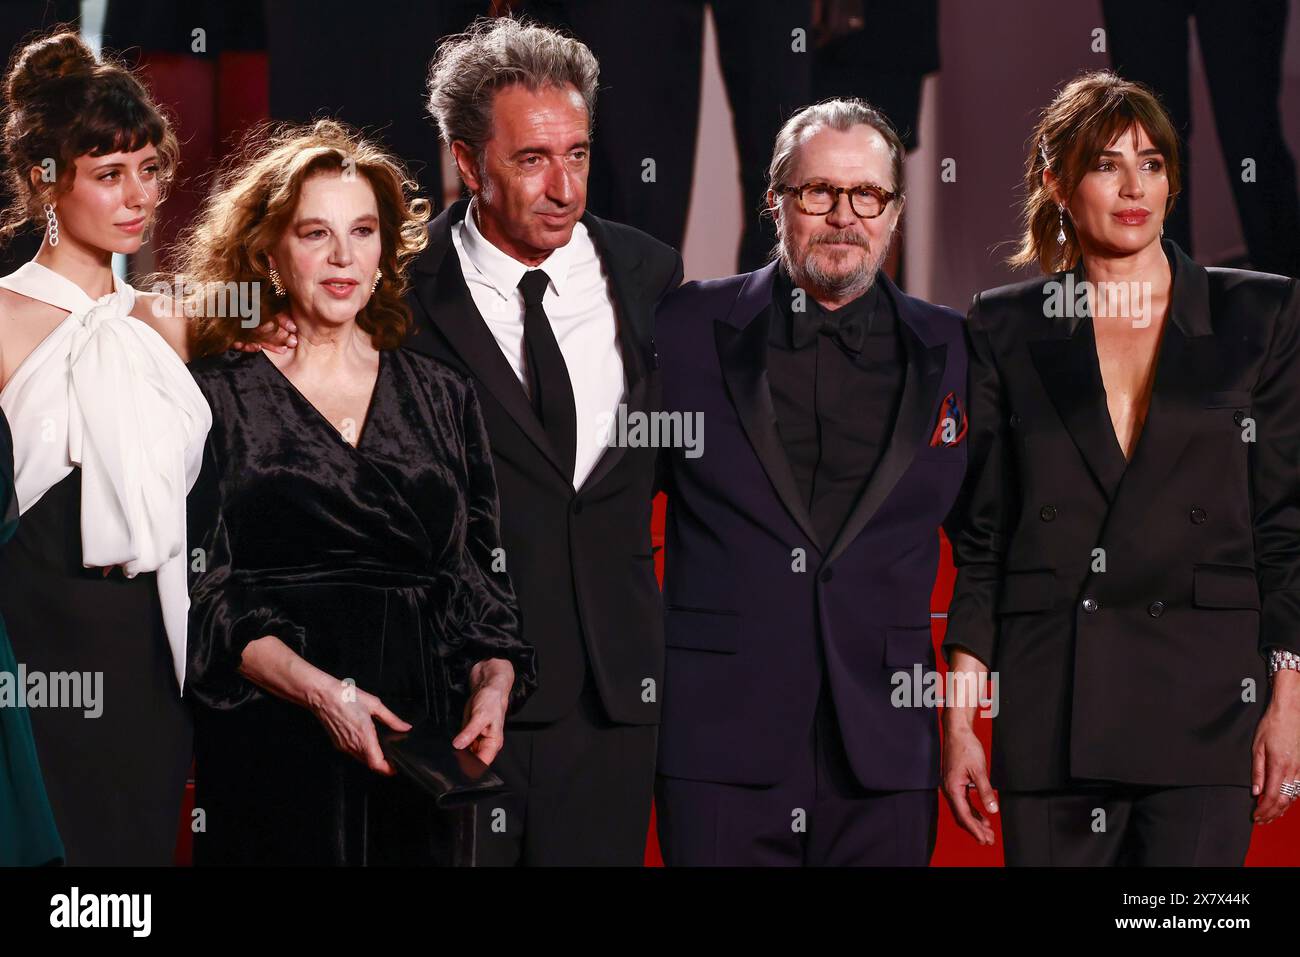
842, 115
469, 68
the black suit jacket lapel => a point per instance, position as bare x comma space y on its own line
1071, 374
1070, 371
633, 314
741, 340
917, 412
1188, 362
446, 299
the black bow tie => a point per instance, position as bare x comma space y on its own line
849, 330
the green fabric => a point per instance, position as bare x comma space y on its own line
27, 832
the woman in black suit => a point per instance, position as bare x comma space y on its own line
1129, 565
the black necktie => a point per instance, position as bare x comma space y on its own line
849, 330
552, 389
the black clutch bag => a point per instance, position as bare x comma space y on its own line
454, 778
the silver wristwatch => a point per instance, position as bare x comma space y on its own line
1280, 659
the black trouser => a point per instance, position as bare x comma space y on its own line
651, 58
580, 792
1127, 826
1241, 47
819, 815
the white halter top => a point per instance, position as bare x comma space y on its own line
105, 393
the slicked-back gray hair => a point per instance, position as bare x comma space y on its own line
839, 115
469, 68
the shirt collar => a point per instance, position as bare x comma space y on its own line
503, 271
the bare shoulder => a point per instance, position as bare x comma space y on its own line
24, 323
15, 306
152, 307
166, 316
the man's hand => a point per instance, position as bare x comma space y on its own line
277, 334
1276, 752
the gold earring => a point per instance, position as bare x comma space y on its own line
379, 274
275, 282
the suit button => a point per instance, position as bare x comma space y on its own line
1238, 416
827, 574
1156, 609
577, 506
1047, 513
1090, 605
1198, 516
1015, 420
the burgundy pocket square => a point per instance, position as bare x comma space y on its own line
951, 427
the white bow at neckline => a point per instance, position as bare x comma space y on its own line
105, 393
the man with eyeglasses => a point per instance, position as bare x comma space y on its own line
802, 542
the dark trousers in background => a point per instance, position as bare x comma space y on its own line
1136, 827
819, 816
1241, 47
649, 104
580, 792
382, 91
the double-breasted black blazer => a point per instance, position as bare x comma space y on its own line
1124, 605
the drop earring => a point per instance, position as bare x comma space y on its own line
51, 224
275, 282
379, 274
1060, 225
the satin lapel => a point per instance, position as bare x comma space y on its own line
1188, 360
634, 325
447, 301
1071, 375
918, 410
742, 353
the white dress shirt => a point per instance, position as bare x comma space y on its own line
580, 308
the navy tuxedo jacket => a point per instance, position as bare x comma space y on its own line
756, 610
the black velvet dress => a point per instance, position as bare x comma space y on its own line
375, 564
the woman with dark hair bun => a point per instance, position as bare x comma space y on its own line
108, 432
1129, 565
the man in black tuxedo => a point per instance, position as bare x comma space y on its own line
549, 309
803, 538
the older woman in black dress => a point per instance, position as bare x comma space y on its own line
1130, 562
351, 571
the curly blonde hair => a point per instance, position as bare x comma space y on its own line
251, 205
1081, 121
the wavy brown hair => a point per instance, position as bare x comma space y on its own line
252, 203
1084, 118
61, 102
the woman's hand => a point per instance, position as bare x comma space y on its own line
1276, 752
485, 713
349, 715
964, 772
347, 712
